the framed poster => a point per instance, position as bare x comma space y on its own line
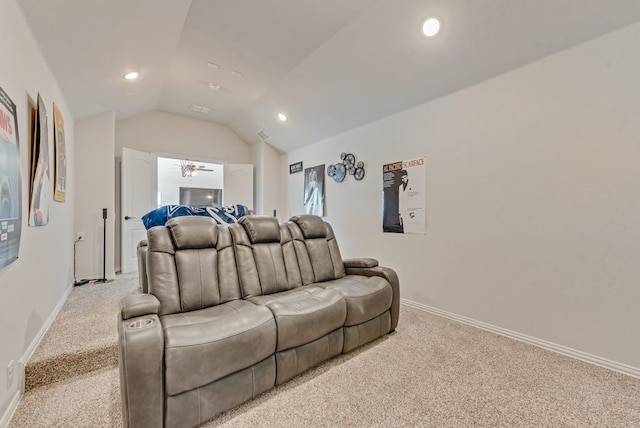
60, 157
314, 190
40, 182
403, 196
10, 182
295, 167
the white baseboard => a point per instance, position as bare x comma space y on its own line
11, 409
43, 330
20, 374
569, 352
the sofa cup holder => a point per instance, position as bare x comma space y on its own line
143, 323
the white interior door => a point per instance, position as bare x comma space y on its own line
238, 184
138, 190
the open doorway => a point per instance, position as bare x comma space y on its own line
149, 181
187, 182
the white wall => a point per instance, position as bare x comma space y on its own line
33, 287
533, 214
177, 136
257, 158
275, 183
269, 181
95, 176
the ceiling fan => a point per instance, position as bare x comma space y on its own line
190, 169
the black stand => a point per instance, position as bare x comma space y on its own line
104, 247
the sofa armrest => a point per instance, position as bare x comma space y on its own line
363, 262
136, 305
141, 355
391, 276
142, 250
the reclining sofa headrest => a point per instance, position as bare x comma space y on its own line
312, 226
261, 228
193, 232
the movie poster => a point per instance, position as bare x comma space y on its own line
404, 196
314, 190
40, 183
60, 158
10, 183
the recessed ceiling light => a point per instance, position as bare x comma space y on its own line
212, 65
282, 117
236, 73
431, 27
132, 75
214, 86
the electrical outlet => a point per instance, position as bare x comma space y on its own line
10, 374
79, 236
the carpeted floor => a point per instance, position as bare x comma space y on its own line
432, 372
84, 335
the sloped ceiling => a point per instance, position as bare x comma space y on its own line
329, 65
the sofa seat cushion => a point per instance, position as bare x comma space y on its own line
208, 344
304, 314
366, 296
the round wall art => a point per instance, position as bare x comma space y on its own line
348, 166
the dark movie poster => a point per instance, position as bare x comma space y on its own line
391, 179
10, 185
403, 196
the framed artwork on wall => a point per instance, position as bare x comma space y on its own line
40, 181
10, 182
403, 196
60, 156
295, 167
314, 190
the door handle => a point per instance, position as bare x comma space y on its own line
128, 218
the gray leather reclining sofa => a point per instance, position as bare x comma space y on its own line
232, 311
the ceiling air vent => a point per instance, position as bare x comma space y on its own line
200, 109
263, 135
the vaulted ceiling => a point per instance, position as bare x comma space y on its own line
329, 65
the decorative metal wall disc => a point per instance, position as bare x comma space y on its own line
348, 165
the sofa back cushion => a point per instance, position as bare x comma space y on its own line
316, 249
266, 261
191, 265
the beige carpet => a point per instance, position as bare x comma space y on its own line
432, 372
84, 335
